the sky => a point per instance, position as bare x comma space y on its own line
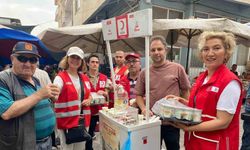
30, 12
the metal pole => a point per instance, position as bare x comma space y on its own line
111, 68
189, 40
147, 75
172, 43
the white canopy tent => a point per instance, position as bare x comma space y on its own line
88, 37
188, 30
162, 26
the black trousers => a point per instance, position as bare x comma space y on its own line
93, 121
171, 137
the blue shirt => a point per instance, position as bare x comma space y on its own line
44, 115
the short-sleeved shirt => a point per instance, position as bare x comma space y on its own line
44, 115
42, 76
169, 78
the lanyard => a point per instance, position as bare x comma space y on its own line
82, 93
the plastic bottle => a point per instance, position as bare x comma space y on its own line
121, 101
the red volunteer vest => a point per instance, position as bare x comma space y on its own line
125, 83
118, 76
120, 73
102, 81
67, 106
205, 97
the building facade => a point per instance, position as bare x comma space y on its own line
89, 11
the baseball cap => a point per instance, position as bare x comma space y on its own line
75, 51
132, 55
25, 48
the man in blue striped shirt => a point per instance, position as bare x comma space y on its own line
27, 118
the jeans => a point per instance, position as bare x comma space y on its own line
93, 121
246, 136
171, 137
45, 144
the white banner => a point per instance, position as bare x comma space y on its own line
135, 24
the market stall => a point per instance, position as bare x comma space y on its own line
121, 126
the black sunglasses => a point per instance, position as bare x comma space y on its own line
24, 59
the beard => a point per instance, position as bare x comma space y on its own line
157, 59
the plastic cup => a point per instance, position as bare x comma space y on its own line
168, 111
140, 117
178, 112
196, 115
187, 114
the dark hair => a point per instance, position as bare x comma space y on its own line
160, 38
92, 55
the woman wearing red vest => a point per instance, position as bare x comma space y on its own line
69, 104
217, 92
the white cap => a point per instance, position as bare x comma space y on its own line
75, 51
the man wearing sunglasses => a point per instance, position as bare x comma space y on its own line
27, 119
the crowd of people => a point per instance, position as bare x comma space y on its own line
26, 93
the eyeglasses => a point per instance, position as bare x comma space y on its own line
24, 59
132, 61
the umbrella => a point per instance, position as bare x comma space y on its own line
9, 37
189, 29
88, 37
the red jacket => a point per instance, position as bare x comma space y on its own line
118, 76
206, 97
67, 106
120, 73
102, 81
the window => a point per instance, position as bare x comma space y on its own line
165, 13
215, 16
77, 5
200, 15
242, 55
205, 15
173, 14
159, 13
244, 21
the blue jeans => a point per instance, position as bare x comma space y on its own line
45, 144
246, 136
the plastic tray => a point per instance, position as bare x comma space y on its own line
183, 121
